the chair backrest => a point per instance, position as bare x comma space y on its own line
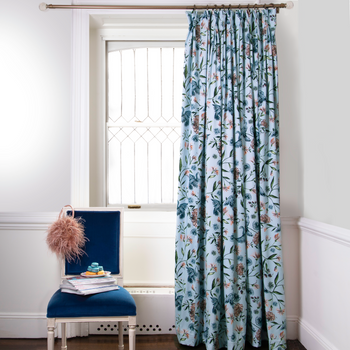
103, 228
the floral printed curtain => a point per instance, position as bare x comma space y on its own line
229, 280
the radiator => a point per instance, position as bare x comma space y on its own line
155, 309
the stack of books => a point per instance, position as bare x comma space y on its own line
85, 285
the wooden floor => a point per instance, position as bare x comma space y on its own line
109, 342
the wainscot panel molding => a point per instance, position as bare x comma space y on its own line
24, 316
41, 220
21, 327
27, 220
324, 285
333, 233
15, 325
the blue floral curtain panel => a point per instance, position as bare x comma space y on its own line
229, 280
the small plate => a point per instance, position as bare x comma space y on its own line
107, 273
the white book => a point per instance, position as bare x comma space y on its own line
75, 281
70, 285
90, 290
86, 286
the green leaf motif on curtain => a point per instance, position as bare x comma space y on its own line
228, 262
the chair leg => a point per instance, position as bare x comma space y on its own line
50, 333
132, 333
64, 336
120, 335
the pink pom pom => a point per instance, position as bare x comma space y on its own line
66, 237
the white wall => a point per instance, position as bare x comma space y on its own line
35, 107
325, 91
290, 122
35, 157
324, 34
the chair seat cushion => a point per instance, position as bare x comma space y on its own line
113, 303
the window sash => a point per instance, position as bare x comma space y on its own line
161, 191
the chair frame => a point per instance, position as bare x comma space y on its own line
131, 320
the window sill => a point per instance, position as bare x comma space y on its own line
146, 207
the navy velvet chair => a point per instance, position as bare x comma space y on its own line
104, 229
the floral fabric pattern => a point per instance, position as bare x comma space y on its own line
229, 283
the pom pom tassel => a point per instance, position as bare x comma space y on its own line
66, 237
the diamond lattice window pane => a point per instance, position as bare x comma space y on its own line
155, 167
114, 164
143, 130
167, 171
127, 171
141, 171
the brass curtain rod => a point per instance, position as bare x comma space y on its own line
43, 7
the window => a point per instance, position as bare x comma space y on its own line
144, 87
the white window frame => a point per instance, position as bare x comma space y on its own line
143, 206
80, 103
80, 183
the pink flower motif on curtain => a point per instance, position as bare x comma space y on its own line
229, 284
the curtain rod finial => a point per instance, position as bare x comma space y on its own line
42, 7
290, 5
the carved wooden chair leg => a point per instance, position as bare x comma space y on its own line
50, 333
132, 333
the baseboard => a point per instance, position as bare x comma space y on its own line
23, 326
292, 327
34, 326
309, 337
312, 339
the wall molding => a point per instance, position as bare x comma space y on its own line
336, 234
24, 316
290, 221
26, 220
312, 339
41, 221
